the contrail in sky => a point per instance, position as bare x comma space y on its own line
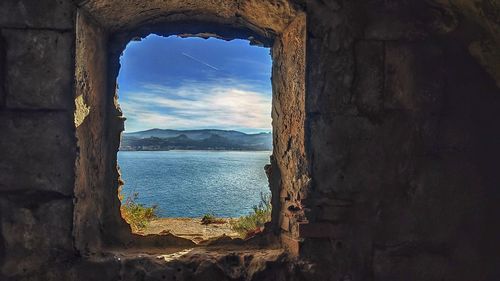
202, 62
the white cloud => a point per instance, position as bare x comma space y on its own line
227, 105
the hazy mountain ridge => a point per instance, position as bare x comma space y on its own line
206, 139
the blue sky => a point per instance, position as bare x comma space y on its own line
194, 83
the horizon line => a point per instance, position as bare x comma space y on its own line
204, 129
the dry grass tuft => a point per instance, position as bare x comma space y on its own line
135, 214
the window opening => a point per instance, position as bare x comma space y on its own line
197, 137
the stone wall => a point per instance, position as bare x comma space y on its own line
90, 121
403, 131
37, 143
102, 36
386, 164
288, 114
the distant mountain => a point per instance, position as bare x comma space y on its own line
208, 139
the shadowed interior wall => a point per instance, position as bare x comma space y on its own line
403, 131
37, 141
90, 121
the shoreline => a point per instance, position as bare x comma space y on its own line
190, 228
209, 150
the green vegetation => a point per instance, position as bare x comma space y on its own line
135, 214
138, 216
253, 223
211, 219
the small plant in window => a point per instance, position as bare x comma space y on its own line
253, 223
135, 214
211, 219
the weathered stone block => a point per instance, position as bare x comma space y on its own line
3, 69
334, 73
322, 230
285, 222
290, 244
413, 264
398, 20
37, 152
39, 69
35, 228
57, 14
98, 268
335, 213
369, 80
336, 140
414, 77
210, 271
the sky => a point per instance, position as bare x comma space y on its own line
195, 83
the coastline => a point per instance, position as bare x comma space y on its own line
208, 150
190, 228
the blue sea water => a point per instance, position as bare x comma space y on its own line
193, 183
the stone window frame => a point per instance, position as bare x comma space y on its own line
99, 121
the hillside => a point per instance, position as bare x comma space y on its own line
208, 139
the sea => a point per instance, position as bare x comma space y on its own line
188, 183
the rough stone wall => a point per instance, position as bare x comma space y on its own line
483, 16
401, 143
37, 141
231, 21
288, 114
91, 127
263, 17
403, 132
